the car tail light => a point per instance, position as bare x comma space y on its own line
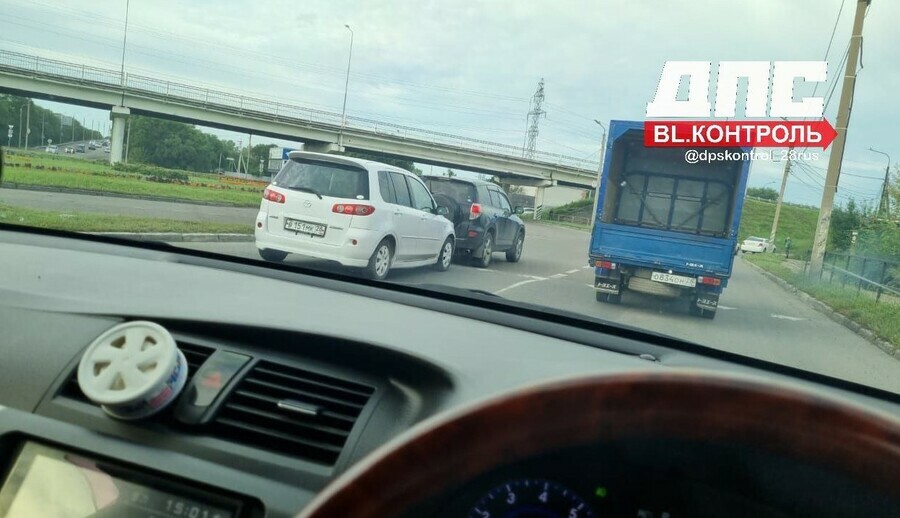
353, 209
712, 281
605, 264
475, 211
271, 195
473, 233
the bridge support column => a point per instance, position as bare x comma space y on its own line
119, 117
538, 203
324, 147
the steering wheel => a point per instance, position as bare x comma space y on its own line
453, 448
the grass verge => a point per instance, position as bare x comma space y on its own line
87, 222
883, 317
70, 173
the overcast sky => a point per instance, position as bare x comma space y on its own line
470, 67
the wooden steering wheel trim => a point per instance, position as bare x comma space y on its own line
450, 449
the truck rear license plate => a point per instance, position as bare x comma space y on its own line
304, 227
678, 280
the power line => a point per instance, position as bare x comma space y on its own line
830, 41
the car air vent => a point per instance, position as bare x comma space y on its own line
194, 354
293, 411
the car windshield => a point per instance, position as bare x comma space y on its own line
616, 161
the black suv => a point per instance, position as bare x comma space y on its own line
484, 219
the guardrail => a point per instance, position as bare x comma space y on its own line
176, 92
569, 218
862, 270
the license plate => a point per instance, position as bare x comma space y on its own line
678, 280
302, 226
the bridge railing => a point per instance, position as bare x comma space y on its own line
176, 92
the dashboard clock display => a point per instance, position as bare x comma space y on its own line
531, 498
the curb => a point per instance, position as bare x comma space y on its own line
821, 307
91, 192
177, 237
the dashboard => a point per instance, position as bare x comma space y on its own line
299, 379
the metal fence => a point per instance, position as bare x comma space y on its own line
181, 93
872, 274
568, 218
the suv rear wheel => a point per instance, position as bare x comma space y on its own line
487, 250
515, 251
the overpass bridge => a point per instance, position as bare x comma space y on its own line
319, 130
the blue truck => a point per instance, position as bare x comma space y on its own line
665, 227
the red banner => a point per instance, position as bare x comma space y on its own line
738, 133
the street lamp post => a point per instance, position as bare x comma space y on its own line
9, 136
124, 41
599, 170
346, 87
884, 203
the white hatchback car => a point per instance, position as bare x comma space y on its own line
355, 212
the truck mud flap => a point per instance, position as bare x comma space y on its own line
607, 285
708, 301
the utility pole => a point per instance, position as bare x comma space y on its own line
249, 152
128, 139
787, 170
20, 124
42, 127
27, 123
837, 150
240, 159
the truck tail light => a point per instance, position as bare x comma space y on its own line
605, 264
475, 211
712, 281
271, 195
353, 209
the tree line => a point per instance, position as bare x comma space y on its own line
45, 125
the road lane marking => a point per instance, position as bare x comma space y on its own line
557, 276
785, 317
588, 267
724, 307
484, 270
573, 271
535, 277
516, 285
589, 285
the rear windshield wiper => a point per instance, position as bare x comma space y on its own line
307, 189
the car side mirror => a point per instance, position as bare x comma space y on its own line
442, 211
520, 210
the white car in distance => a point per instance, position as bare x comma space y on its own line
755, 245
355, 212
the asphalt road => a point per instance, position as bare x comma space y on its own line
58, 201
756, 317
